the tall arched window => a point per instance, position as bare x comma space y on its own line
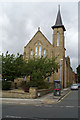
57, 38
44, 54
31, 54
39, 51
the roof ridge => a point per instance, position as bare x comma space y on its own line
35, 35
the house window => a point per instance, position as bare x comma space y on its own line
36, 51
57, 38
39, 51
31, 55
38, 43
44, 55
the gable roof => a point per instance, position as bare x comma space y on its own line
42, 35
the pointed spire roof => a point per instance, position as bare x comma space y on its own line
58, 22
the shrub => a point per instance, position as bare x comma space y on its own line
31, 84
6, 85
45, 85
27, 85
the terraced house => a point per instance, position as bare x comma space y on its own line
40, 46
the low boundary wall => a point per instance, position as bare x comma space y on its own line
33, 93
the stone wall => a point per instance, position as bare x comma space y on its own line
33, 93
8, 94
68, 72
44, 92
18, 81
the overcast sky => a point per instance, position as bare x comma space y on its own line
20, 21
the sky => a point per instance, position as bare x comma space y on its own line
19, 21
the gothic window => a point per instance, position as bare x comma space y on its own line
44, 55
36, 51
38, 43
31, 55
57, 38
39, 51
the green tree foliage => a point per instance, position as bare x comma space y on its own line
39, 69
12, 67
6, 85
78, 73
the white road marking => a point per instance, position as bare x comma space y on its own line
70, 106
3, 99
10, 102
8, 116
60, 106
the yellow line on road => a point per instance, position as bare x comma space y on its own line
64, 97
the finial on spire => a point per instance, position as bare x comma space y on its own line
38, 28
59, 7
58, 22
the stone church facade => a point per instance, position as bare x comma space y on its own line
40, 46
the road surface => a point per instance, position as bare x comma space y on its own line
66, 108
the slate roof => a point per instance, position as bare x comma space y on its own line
58, 22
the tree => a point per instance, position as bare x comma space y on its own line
40, 68
37, 68
19, 65
12, 67
78, 73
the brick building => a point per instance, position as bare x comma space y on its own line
40, 46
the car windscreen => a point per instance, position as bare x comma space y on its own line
74, 85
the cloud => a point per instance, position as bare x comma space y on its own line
20, 21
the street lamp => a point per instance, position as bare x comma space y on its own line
60, 69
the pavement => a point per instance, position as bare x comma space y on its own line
46, 99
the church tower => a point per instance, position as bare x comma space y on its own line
59, 49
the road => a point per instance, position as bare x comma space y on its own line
66, 108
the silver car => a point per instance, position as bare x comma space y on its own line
78, 85
74, 87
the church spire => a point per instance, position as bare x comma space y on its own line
58, 22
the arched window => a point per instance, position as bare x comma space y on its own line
31, 55
38, 43
57, 38
39, 51
44, 55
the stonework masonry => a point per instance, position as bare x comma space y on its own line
40, 46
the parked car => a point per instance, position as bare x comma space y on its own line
74, 87
78, 85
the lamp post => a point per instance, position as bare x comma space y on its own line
60, 69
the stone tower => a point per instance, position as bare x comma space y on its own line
59, 50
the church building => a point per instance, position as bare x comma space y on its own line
40, 46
